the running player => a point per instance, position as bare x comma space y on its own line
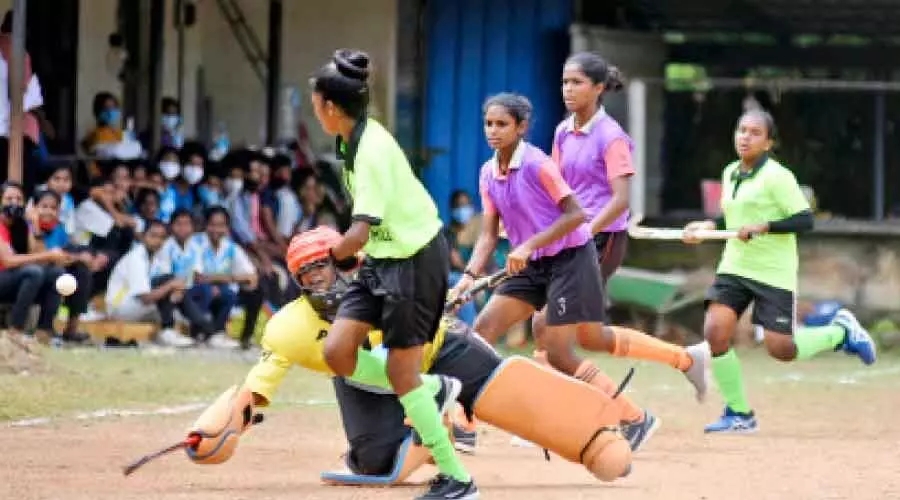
403, 282
553, 262
762, 200
594, 154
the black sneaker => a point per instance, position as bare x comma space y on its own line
445, 487
463, 440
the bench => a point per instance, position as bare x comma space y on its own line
657, 293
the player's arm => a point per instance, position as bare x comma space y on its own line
266, 377
618, 173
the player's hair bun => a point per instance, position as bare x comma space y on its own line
353, 64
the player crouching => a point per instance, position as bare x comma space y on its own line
570, 418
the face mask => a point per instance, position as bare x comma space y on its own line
233, 185
193, 174
463, 214
110, 116
209, 197
47, 225
171, 122
14, 211
169, 169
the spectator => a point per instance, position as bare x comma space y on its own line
100, 224
179, 257
286, 206
313, 212
171, 130
32, 101
132, 296
175, 192
49, 234
108, 132
225, 272
461, 236
139, 180
60, 182
211, 191
121, 181
24, 279
147, 203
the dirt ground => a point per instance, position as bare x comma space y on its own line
827, 441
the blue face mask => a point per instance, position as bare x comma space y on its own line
463, 214
110, 116
171, 122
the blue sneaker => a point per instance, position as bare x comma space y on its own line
857, 342
734, 422
638, 433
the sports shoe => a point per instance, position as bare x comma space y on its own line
637, 433
734, 422
464, 441
221, 340
170, 337
449, 391
698, 373
857, 340
445, 487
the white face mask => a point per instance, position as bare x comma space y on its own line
193, 174
233, 185
169, 169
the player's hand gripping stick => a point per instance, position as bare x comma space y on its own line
479, 285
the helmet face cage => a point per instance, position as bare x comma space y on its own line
325, 302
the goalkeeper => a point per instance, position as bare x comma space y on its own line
570, 418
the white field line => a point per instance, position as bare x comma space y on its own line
165, 410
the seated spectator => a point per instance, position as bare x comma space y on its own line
212, 190
60, 182
24, 276
226, 272
179, 257
139, 178
286, 206
147, 204
108, 132
132, 296
313, 211
176, 192
461, 237
49, 234
101, 225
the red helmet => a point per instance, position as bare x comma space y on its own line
310, 247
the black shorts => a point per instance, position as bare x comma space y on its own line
404, 298
568, 283
611, 248
773, 308
467, 357
373, 423
374, 427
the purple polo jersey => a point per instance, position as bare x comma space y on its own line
583, 157
527, 198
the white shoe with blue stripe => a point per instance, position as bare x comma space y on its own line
734, 422
857, 342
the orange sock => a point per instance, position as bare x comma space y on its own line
634, 344
589, 373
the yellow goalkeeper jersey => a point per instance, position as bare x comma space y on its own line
295, 335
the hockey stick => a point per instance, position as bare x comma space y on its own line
190, 441
638, 232
480, 285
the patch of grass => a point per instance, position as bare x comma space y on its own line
88, 380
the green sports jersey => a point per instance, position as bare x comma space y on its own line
767, 193
387, 194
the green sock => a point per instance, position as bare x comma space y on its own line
422, 410
727, 371
815, 339
372, 370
